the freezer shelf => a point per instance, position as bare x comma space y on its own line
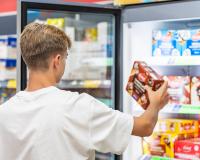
148, 157
181, 109
89, 84
98, 61
173, 61
175, 108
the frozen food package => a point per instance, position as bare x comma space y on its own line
178, 89
195, 91
166, 43
178, 126
142, 75
160, 144
163, 144
191, 46
188, 149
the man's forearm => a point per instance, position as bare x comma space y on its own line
144, 125
151, 115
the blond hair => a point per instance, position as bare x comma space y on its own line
38, 42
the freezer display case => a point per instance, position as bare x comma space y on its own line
93, 62
167, 38
8, 55
106, 42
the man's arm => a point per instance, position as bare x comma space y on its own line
144, 125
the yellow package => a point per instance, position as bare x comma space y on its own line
162, 144
58, 22
179, 126
91, 34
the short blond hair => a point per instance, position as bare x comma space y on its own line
38, 42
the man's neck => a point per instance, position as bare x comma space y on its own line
38, 80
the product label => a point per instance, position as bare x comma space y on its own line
187, 149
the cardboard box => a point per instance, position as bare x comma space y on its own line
199, 128
162, 144
8, 47
165, 43
195, 91
179, 89
187, 149
141, 75
177, 126
57, 22
192, 43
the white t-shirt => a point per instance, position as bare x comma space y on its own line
52, 124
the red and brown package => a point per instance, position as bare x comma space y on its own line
179, 89
187, 149
141, 75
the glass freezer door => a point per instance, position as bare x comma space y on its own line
90, 65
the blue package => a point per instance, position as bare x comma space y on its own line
165, 43
192, 45
12, 42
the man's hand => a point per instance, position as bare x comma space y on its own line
158, 98
144, 125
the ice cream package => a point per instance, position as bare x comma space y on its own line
178, 89
191, 38
142, 75
166, 43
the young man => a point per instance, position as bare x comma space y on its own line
46, 123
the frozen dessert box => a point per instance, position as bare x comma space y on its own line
142, 75
179, 89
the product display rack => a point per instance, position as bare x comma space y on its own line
7, 61
138, 33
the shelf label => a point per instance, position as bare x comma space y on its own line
190, 109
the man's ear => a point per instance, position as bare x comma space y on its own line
56, 60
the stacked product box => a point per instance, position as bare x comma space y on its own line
191, 46
167, 132
195, 90
176, 42
165, 43
8, 54
179, 89
187, 149
8, 47
58, 22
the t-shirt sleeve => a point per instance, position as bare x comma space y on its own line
110, 130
